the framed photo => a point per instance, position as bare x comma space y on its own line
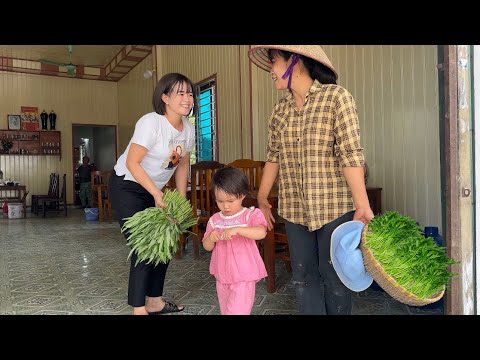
14, 122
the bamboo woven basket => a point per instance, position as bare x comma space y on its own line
387, 283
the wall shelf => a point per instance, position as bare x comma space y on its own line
26, 142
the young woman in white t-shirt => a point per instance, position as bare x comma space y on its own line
159, 148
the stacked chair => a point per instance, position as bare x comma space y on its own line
100, 198
202, 199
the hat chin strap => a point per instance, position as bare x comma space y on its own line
289, 72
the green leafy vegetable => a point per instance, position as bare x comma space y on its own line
416, 263
154, 232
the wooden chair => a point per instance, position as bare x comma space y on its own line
202, 200
171, 184
275, 247
53, 192
55, 203
281, 245
253, 169
99, 181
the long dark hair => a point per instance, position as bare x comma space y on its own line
317, 70
230, 180
165, 86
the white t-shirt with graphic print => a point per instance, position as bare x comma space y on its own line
166, 147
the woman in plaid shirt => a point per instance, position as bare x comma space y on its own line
314, 149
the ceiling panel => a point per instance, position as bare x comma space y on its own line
81, 55
54, 60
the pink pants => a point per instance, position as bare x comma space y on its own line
236, 298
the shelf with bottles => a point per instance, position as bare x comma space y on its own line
19, 135
50, 148
28, 142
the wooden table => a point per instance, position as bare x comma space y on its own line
375, 199
269, 241
14, 194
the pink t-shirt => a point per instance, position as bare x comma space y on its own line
237, 259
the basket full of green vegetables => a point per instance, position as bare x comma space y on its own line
408, 266
154, 232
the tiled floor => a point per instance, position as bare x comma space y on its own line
69, 266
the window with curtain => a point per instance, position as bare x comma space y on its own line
205, 122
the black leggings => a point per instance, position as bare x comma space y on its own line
128, 198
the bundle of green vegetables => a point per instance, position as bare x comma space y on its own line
154, 232
415, 262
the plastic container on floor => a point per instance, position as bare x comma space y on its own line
15, 210
5, 209
432, 231
91, 214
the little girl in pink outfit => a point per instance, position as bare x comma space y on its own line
231, 234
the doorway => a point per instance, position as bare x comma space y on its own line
99, 143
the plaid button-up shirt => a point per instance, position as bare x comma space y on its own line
312, 145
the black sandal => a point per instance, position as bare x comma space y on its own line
167, 309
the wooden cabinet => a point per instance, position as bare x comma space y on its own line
375, 198
31, 142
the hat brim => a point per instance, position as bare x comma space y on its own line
258, 54
366, 280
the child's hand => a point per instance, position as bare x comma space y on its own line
215, 236
228, 233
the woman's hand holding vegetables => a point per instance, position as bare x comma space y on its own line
159, 200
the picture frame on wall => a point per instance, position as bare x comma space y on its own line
14, 122
29, 118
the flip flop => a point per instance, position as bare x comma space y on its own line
167, 309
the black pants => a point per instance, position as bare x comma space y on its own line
128, 198
318, 288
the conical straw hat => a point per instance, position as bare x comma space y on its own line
259, 56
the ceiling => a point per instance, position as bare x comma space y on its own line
112, 62
81, 54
